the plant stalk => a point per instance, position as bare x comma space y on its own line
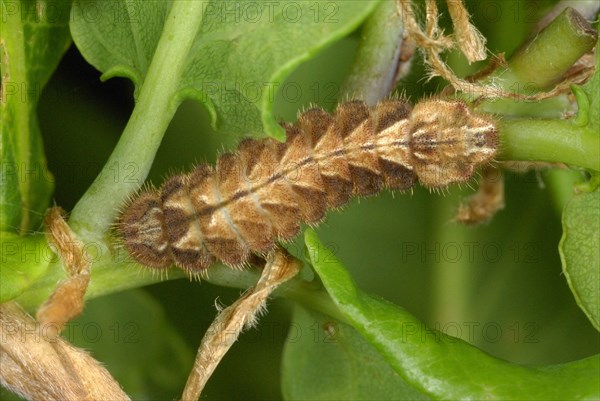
559, 141
542, 62
374, 71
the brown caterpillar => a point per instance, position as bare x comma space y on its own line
266, 189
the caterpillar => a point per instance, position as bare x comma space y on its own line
263, 192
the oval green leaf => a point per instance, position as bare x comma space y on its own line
580, 252
441, 366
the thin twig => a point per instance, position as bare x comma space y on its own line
67, 300
228, 325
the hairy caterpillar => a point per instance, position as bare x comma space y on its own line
266, 189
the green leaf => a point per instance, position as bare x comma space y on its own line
241, 56
580, 253
441, 366
578, 247
327, 360
34, 37
24, 259
130, 334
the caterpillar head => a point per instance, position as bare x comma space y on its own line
448, 142
142, 230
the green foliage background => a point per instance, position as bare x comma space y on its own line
507, 283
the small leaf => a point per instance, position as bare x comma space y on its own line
328, 360
580, 253
24, 259
583, 106
130, 334
441, 366
34, 37
242, 54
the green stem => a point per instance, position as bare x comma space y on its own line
156, 105
373, 73
543, 62
111, 274
539, 65
112, 271
557, 141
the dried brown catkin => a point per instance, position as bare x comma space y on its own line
266, 189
